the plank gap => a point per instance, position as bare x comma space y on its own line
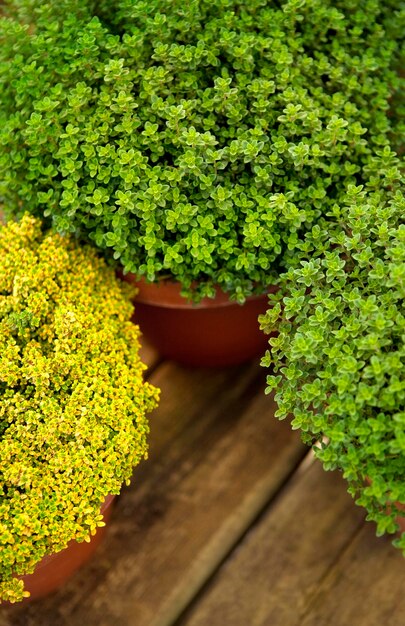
281, 562
302, 465
314, 597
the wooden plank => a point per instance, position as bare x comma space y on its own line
275, 572
364, 588
217, 456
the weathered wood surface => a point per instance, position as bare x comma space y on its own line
217, 457
365, 587
310, 561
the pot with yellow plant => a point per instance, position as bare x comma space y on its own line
73, 405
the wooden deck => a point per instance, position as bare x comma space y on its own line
229, 523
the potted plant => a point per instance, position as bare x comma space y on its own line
73, 404
191, 142
339, 356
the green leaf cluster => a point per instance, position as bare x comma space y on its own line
196, 140
338, 361
73, 402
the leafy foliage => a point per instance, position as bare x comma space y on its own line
195, 140
73, 402
339, 356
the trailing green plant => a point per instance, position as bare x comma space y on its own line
339, 355
73, 402
192, 140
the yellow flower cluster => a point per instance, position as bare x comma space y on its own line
73, 401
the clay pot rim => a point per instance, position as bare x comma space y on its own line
50, 557
167, 294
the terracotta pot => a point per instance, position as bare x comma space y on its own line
214, 333
55, 569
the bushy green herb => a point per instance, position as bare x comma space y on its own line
73, 402
339, 356
196, 139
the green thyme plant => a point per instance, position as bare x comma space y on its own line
192, 140
339, 355
73, 403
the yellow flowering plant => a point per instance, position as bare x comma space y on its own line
73, 401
